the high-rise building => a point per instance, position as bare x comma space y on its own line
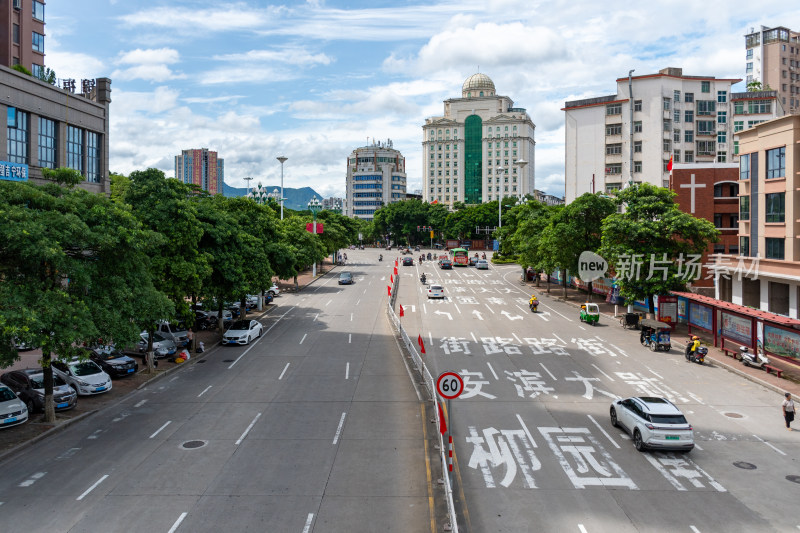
376, 176
628, 137
480, 150
22, 34
201, 167
773, 59
333, 203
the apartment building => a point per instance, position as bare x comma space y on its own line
480, 150
376, 176
22, 34
772, 58
201, 167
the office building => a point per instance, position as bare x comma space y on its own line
333, 203
376, 176
480, 149
201, 167
628, 137
772, 58
22, 34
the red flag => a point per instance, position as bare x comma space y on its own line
442, 422
669, 165
435, 202
391, 279
421, 344
395, 270
389, 290
402, 313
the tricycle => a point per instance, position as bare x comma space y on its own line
655, 335
590, 313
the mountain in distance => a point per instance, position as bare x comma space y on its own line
296, 199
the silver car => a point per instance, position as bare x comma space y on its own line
172, 331
162, 347
653, 423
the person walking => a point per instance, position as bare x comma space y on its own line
788, 410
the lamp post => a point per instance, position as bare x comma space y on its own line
520, 163
500, 171
314, 205
282, 159
247, 179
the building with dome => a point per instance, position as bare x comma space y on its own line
480, 150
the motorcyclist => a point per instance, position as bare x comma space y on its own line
533, 302
422, 278
693, 345
483, 256
429, 256
380, 257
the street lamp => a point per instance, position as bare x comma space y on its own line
521, 164
247, 179
282, 159
314, 205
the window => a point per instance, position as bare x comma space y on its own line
665, 165
688, 98
706, 127
705, 86
734, 221
759, 106
612, 187
47, 143
16, 33
744, 246
749, 54
733, 249
637, 166
613, 149
706, 148
637, 147
689, 156
719, 248
37, 70
676, 96
722, 117
17, 143
718, 190
637, 126
676, 156
776, 207
75, 148
688, 136
676, 136
667, 145
748, 67
667, 125
717, 223
744, 167
738, 125
637, 105
688, 116
775, 248
744, 208
666, 104
722, 157
706, 107
722, 135
614, 168
776, 162
38, 10
613, 129
93, 158
37, 42
722, 97
676, 115
614, 109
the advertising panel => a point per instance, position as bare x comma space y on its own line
700, 316
782, 342
737, 328
13, 171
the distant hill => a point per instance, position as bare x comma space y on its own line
295, 198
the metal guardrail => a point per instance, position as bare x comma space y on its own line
430, 387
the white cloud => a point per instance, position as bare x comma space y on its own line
147, 64
299, 56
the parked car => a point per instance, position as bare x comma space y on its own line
85, 377
408, 261
227, 316
435, 291
23, 346
162, 347
175, 331
653, 423
482, 264
12, 409
345, 278
113, 362
242, 332
28, 384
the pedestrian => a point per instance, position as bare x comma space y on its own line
788, 410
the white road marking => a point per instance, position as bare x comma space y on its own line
457, 309
696, 398
473, 336
559, 338
697, 446
424, 309
205, 390
478, 314
583, 529
309, 521
430, 338
339, 429
770, 445
329, 302
284, 371
523, 310
518, 339
316, 317
551, 374
67, 454
617, 349
139, 404
603, 431
365, 290
95, 434
695, 530
527, 431
246, 431
262, 336
358, 301
350, 338
90, 489
492, 369
489, 308
556, 312
159, 430
583, 328
351, 316
347, 371
304, 337
606, 375
173, 379
31, 480
656, 374
177, 523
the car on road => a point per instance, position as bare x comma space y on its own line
162, 347
85, 377
482, 264
242, 332
653, 422
435, 291
408, 261
28, 384
345, 278
113, 362
473, 260
445, 264
12, 410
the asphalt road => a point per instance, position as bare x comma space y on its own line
534, 448
317, 426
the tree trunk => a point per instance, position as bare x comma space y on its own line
220, 319
564, 281
538, 278
590, 291
149, 354
651, 307
548, 283
296, 286
49, 404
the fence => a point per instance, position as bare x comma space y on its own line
430, 387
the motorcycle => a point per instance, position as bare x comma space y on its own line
420, 260
423, 279
756, 360
698, 356
380, 257
534, 305
429, 256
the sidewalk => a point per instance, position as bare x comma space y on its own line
790, 382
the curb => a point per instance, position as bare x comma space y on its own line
730, 368
50, 432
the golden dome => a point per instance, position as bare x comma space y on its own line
475, 84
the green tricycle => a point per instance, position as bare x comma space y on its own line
590, 313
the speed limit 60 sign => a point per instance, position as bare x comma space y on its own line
449, 385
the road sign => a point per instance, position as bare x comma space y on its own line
449, 385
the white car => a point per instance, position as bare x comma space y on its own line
482, 264
435, 291
86, 377
162, 347
242, 332
653, 423
274, 290
12, 409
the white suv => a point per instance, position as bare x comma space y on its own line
653, 423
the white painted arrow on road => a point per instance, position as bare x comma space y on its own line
437, 312
478, 314
510, 316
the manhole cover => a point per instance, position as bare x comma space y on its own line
227, 360
733, 415
744, 465
793, 479
191, 444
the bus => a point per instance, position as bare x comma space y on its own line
460, 257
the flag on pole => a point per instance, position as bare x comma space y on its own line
442, 422
402, 313
669, 165
389, 290
391, 279
395, 271
434, 202
421, 344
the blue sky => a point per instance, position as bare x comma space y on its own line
313, 80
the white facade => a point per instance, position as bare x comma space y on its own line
613, 141
376, 176
481, 149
